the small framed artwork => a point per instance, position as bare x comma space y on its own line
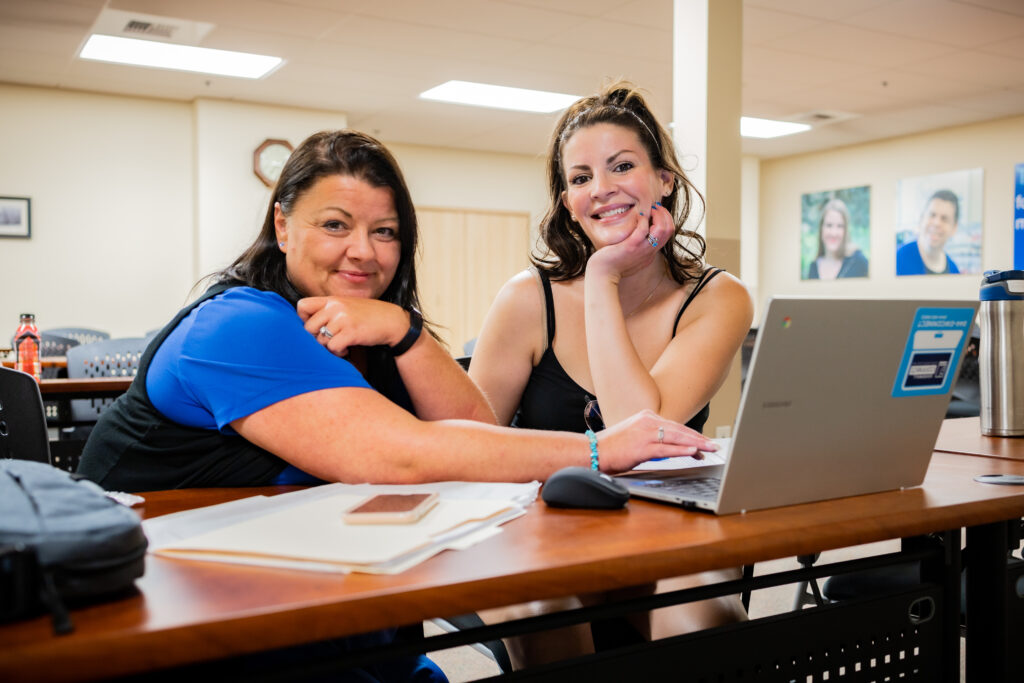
15, 217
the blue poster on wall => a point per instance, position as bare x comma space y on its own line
1018, 217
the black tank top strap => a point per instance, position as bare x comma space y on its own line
705, 277
549, 305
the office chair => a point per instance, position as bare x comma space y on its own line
105, 358
55, 345
23, 433
81, 335
965, 399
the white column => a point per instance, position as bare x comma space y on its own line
706, 104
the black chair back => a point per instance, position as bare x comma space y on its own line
23, 433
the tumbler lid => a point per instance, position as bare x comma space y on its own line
1002, 285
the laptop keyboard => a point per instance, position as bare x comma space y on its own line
703, 488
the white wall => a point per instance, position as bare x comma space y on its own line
994, 146
110, 179
231, 200
133, 199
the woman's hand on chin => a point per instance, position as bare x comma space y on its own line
652, 232
342, 322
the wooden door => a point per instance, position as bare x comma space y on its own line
465, 258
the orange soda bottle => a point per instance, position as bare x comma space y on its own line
27, 346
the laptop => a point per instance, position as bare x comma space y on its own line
843, 397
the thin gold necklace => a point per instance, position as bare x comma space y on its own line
646, 298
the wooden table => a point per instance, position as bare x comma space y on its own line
85, 387
189, 611
963, 435
45, 362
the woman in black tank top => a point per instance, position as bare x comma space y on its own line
619, 313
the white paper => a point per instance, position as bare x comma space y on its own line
684, 462
304, 529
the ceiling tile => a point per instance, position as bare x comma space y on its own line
1015, 7
790, 67
818, 9
1006, 102
967, 66
584, 8
904, 87
941, 21
760, 26
839, 41
486, 18
1014, 47
619, 39
653, 14
269, 16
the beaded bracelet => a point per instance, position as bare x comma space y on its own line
594, 464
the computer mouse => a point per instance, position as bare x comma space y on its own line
582, 487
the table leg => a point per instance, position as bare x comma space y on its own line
988, 653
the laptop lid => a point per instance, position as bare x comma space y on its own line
843, 397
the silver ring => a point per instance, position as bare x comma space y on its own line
326, 332
661, 434
653, 240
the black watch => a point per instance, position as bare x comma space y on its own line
415, 327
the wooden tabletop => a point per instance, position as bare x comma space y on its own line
187, 611
963, 435
45, 362
85, 387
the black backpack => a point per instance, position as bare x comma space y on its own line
61, 538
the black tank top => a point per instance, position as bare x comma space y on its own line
552, 400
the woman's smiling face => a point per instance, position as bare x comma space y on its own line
610, 179
341, 238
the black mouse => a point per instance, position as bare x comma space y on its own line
582, 487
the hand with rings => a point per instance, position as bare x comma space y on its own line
339, 323
653, 230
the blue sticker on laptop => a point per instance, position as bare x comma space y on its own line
937, 338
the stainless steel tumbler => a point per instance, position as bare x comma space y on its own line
1001, 353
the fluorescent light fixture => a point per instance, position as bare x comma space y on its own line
180, 57
766, 128
499, 97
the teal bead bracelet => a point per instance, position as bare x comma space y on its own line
594, 464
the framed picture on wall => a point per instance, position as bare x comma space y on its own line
938, 224
835, 234
15, 217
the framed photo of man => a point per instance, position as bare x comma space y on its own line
835, 234
938, 224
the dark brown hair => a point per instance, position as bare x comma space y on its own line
345, 153
567, 246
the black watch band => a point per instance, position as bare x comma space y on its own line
415, 327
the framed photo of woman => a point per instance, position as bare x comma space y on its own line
835, 234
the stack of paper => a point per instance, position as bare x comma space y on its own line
305, 529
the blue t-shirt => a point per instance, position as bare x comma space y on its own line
236, 354
909, 262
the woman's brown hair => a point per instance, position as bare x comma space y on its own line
567, 246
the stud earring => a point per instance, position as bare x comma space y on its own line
280, 244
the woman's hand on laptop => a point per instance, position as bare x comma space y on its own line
646, 436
